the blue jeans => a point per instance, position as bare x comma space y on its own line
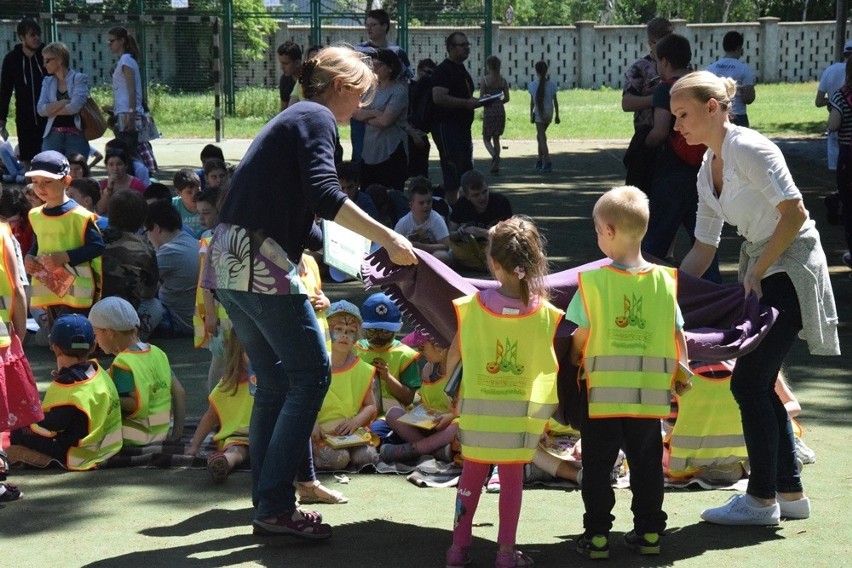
767, 428
357, 129
66, 143
674, 203
286, 348
455, 147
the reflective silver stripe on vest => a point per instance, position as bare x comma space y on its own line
634, 363
507, 408
499, 440
624, 395
699, 442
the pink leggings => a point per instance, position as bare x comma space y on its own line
467, 498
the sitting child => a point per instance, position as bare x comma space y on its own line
82, 418
423, 226
230, 408
349, 403
398, 378
150, 393
438, 439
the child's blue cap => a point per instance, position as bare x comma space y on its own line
379, 312
343, 307
72, 331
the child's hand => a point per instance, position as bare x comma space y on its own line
31, 264
444, 420
316, 435
211, 325
381, 367
345, 428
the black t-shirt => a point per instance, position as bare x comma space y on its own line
285, 87
454, 77
498, 209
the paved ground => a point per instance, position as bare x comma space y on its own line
142, 517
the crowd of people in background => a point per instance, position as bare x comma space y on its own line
231, 257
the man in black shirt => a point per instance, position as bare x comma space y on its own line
452, 115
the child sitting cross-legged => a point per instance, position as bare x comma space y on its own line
150, 393
230, 408
436, 440
82, 419
349, 404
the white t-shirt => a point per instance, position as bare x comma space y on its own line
544, 114
739, 72
433, 230
756, 180
121, 96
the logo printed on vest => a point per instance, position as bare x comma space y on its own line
632, 313
506, 359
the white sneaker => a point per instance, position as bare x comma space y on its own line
742, 510
795, 509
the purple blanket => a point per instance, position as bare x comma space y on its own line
720, 322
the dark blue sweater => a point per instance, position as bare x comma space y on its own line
286, 177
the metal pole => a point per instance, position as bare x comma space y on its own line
488, 7
217, 79
402, 25
230, 97
316, 23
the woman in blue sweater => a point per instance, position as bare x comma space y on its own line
285, 180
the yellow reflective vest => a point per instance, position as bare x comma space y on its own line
398, 356
709, 429
97, 398
60, 234
345, 397
199, 331
233, 409
631, 355
508, 386
7, 288
152, 380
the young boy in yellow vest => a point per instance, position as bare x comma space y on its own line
628, 342
399, 377
349, 403
82, 417
150, 393
65, 236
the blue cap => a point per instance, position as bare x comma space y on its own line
72, 331
50, 164
379, 312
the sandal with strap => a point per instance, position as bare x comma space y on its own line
10, 493
514, 559
319, 493
307, 525
218, 467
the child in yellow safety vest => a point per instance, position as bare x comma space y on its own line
231, 402
151, 396
82, 417
508, 386
437, 438
349, 405
630, 343
65, 258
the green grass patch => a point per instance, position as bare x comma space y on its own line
780, 110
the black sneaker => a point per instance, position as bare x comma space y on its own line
595, 547
647, 543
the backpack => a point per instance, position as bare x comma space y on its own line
688, 154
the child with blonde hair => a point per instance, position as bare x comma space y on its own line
349, 404
508, 386
229, 413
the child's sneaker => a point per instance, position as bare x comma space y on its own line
646, 543
595, 547
514, 559
743, 510
457, 557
